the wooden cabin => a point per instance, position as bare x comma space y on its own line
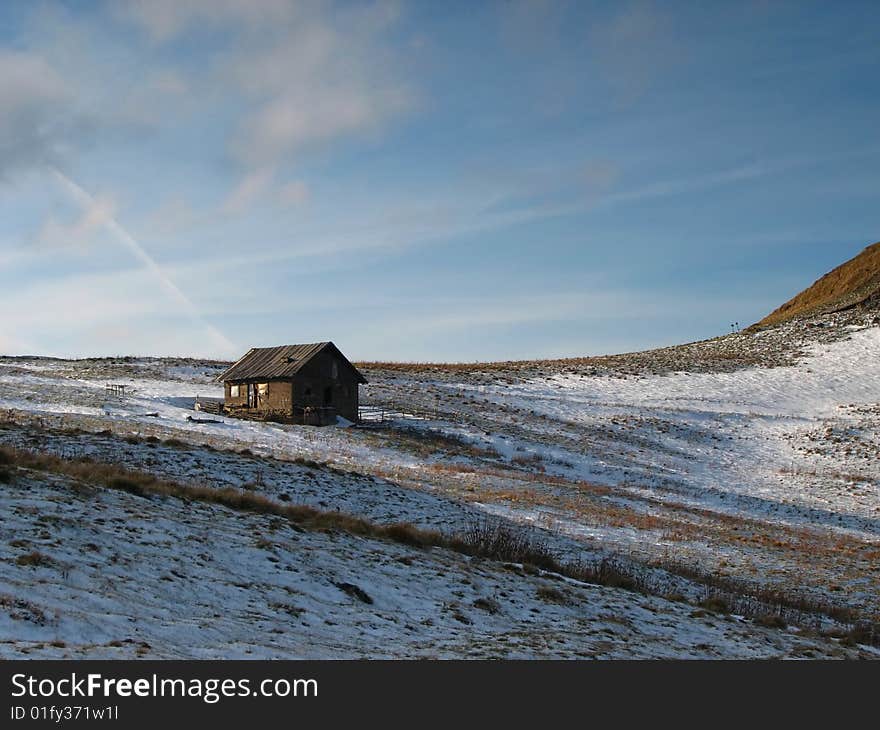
305, 384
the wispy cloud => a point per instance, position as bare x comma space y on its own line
33, 126
310, 73
79, 232
123, 237
447, 215
253, 185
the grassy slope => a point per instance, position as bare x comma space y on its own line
850, 283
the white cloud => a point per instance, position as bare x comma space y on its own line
309, 72
280, 78
250, 187
325, 77
33, 123
259, 185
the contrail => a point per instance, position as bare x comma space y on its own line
87, 201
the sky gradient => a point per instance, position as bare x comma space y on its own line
426, 181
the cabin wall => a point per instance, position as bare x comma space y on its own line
278, 398
318, 375
232, 401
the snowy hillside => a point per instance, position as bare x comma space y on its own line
172, 580
754, 490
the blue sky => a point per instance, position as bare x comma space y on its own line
426, 181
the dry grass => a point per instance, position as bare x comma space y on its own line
34, 559
849, 283
407, 534
552, 595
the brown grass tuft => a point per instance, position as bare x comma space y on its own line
34, 559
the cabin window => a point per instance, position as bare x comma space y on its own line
308, 391
256, 392
334, 370
234, 391
328, 396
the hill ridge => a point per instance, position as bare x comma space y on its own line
852, 283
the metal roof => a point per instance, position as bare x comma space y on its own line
285, 361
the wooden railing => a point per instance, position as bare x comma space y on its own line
210, 405
375, 413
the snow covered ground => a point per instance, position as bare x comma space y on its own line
744, 433
771, 473
764, 475
126, 576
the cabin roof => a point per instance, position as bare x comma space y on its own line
284, 361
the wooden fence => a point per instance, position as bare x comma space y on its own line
209, 405
376, 413
369, 414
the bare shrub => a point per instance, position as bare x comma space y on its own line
608, 572
551, 595
500, 541
862, 632
529, 460
771, 621
34, 559
715, 604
